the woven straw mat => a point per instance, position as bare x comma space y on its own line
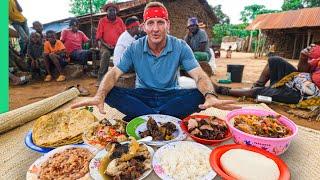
15, 157
302, 157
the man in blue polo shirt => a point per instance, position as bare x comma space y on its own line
156, 59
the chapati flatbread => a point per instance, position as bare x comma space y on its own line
247, 165
61, 127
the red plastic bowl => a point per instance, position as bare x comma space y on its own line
201, 140
217, 153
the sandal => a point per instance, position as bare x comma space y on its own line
83, 91
61, 78
48, 78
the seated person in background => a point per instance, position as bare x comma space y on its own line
198, 40
126, 38
156, 59
19, 22
54, 53
35, 53
229, 52
141, 33
16, 61
272, 50
37, 26
287, 84
73, 39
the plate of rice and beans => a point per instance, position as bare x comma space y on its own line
66, 162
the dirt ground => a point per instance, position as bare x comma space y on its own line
35, 91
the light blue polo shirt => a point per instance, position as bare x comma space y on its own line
158, 73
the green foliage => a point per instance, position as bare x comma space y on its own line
221, 30
223, 18
250, 12
89, 108
291, 5
81, 7
299, 4
311, 3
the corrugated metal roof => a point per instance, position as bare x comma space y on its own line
307, 17
56, 26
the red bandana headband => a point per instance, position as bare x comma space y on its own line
155, 12
133, 25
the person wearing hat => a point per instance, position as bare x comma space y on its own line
126, 38
198, 40
73, 40
109, 30
156, 59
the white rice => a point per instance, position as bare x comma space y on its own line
186, 161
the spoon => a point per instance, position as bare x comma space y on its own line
143, 140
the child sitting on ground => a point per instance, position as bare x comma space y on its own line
35, 54
54, 53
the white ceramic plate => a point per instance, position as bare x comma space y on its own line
159, 169
96, 162
139, 124
34, 169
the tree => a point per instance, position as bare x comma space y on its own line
312, 3
291, 5
223, 18
81, 7
250, 12
299, 4
221, 30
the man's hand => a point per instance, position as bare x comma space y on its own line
97, 101
105, 44
212, 101
305, 52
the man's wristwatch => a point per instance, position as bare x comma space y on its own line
211, 93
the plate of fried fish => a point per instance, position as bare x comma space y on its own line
122, 161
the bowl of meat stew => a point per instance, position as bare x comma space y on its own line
263, 129
208, 130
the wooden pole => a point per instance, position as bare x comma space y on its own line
263, 45
294, 46
250, 39
303, 40
308, 40
91, 24
257, 45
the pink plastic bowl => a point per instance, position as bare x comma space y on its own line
276, 146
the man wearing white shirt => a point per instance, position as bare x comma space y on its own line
126, 38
